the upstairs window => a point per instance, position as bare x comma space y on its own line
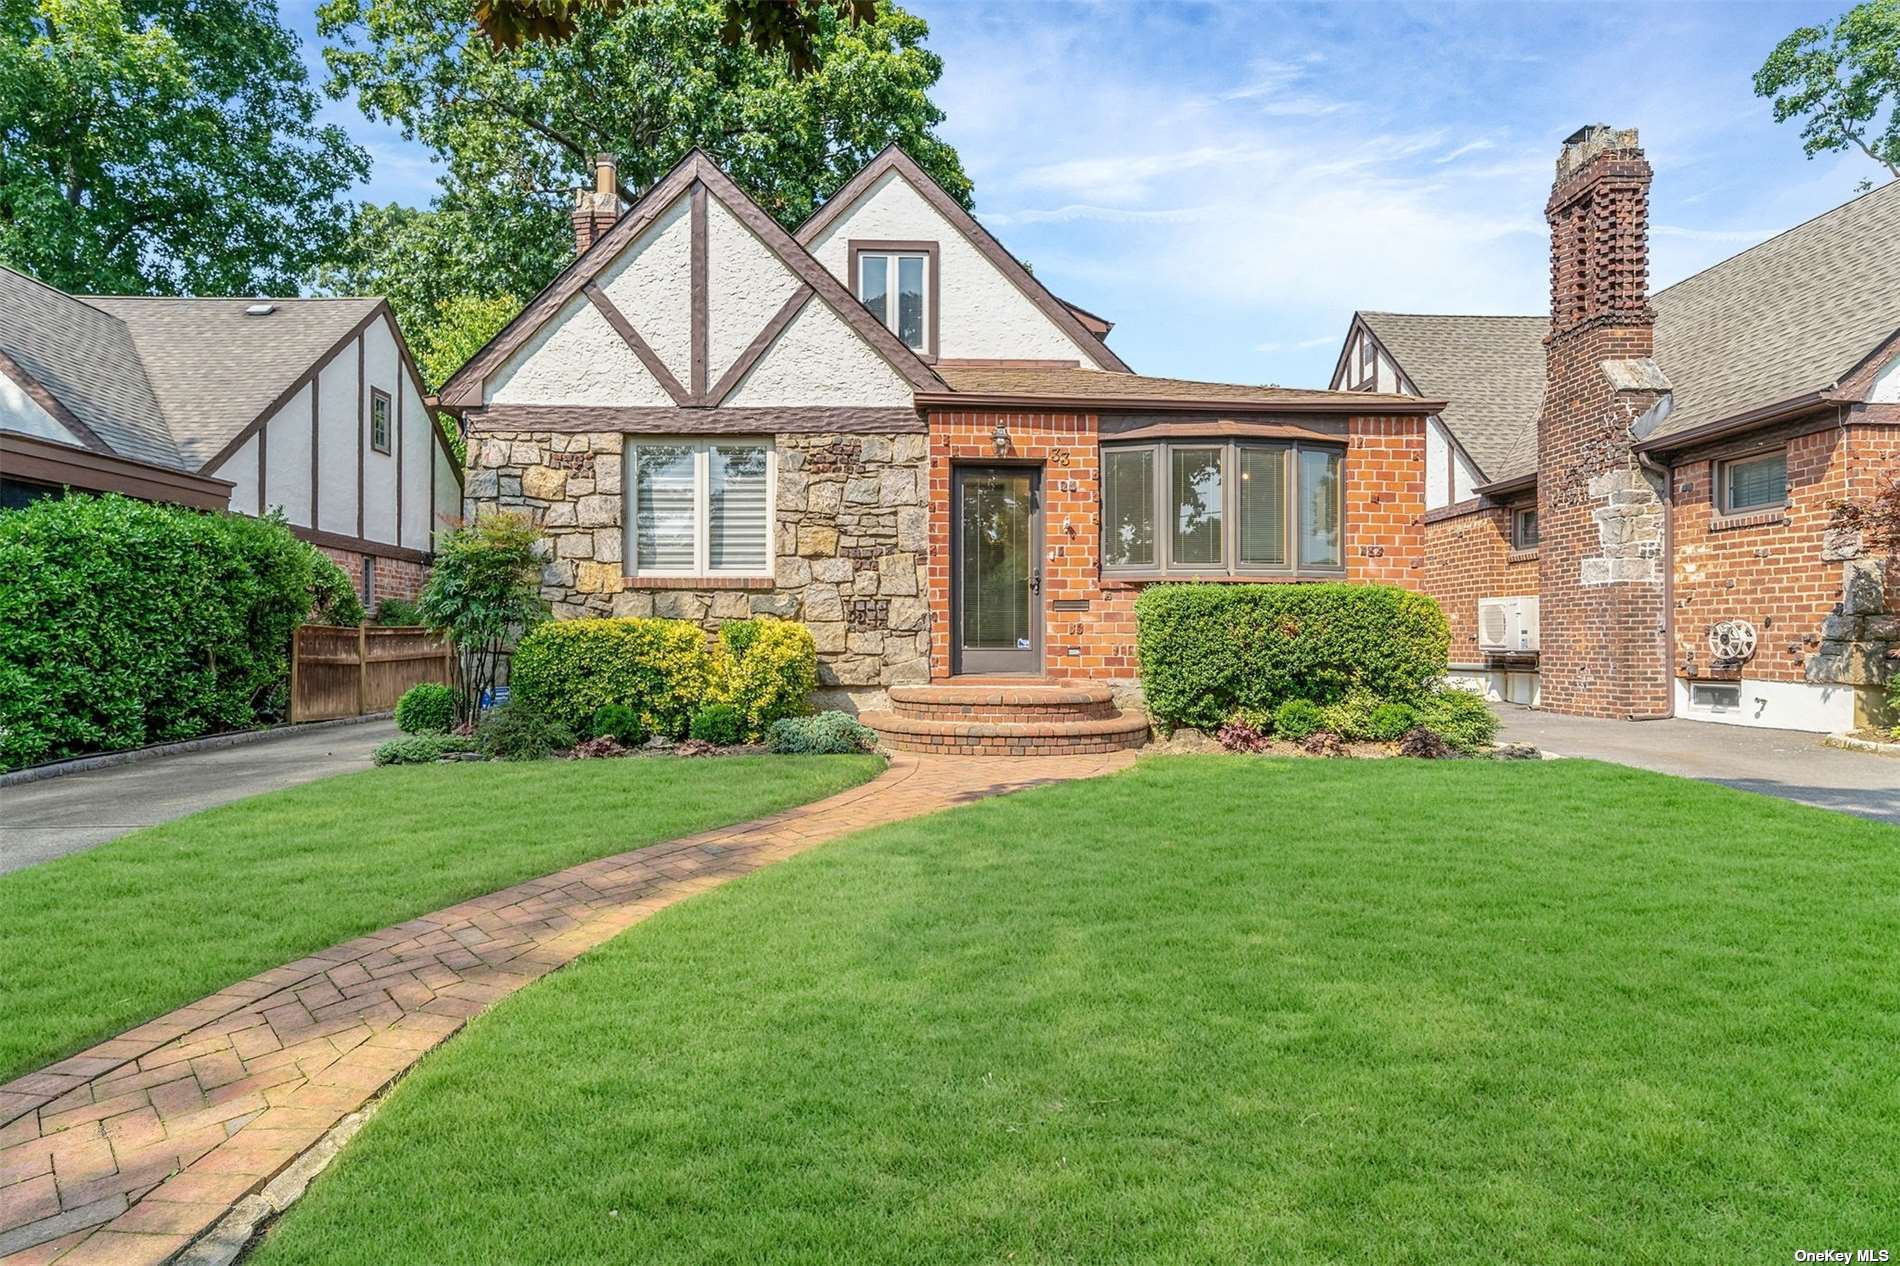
1196, 507
1524, 527
379, 420
897, 281
699, 508
1749, 484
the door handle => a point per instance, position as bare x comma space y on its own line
1035, 581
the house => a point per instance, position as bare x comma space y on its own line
886, 427
1657, 471
308, 406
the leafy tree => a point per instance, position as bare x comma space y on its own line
463, 326
788, 26
163, 146
516, 128
482, 593
1842, 79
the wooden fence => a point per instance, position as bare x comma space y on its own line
342, 672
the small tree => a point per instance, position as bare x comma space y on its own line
1842, 80
482, 595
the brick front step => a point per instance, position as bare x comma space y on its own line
1009, 738
1025, 702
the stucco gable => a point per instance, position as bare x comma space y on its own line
818, 360
576, 358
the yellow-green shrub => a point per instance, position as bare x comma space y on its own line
766, 669
569, 669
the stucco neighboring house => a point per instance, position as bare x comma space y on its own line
308, 406
1657, 471
884, 426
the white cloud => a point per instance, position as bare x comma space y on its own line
1469, 147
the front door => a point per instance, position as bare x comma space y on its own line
996, 570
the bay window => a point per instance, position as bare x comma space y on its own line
699, 507
1238, 507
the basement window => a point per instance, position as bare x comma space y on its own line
1715, 697
1746, 485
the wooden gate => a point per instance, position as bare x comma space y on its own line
341, 672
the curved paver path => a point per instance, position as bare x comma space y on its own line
129, 1151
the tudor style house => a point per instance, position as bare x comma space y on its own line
308, 406
1629, 499
885, 427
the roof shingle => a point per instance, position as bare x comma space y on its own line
1109, 387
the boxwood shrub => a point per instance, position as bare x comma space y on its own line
124, 623
766, 670
1209, 651
428, 707
570, 669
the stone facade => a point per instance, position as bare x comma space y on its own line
852, 535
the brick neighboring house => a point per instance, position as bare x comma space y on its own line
885, 427
1658, 469
309, 406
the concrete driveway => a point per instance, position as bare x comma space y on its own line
1785, 763
56, 816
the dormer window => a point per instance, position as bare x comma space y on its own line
897, 281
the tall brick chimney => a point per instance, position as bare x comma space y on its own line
1601, 515
596, 209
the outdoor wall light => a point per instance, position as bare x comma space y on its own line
1000, 438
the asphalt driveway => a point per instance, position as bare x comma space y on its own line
1785, 763
56, 816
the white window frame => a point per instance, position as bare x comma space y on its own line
1722, 506
702, 447
888, 317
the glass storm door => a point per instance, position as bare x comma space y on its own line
996, 589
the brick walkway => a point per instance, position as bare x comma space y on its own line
128, 1151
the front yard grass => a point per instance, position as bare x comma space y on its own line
95, 943
1209, 1010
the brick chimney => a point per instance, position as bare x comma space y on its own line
596, 209
1601, 514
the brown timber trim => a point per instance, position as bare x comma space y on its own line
1507, 487
895, 159
398, 439
985, 401
699, 301
659, 420
362, 435
1136, 428
1003, 362
54, 406
788, 311
933, 278
263, 438
648, 357
356, 544
32, 459
315, 465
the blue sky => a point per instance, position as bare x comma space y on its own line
1228, 182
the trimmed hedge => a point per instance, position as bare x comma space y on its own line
570, 669
766, 669
1209, 651
124, 623
428, 707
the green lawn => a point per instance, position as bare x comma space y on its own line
97, 942
1212, 1010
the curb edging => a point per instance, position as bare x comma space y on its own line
235, 738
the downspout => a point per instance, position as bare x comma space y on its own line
1669, 583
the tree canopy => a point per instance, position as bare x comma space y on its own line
163, 146
787, 26
515, 129
1842, 79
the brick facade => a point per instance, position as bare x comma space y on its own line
1468, 557
394, 577
1600, 554
1383, 506
1785, 572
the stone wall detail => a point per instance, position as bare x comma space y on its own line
852, 534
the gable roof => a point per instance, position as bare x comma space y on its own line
464, 387
84, 359
214, 370
1488, 369
1077, 387
1788, 318
1793, 315
170, 381
1069, 319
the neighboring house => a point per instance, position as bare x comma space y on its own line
308, 406
884, 426
1659, 470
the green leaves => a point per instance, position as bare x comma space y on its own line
163, 146
1841, 80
